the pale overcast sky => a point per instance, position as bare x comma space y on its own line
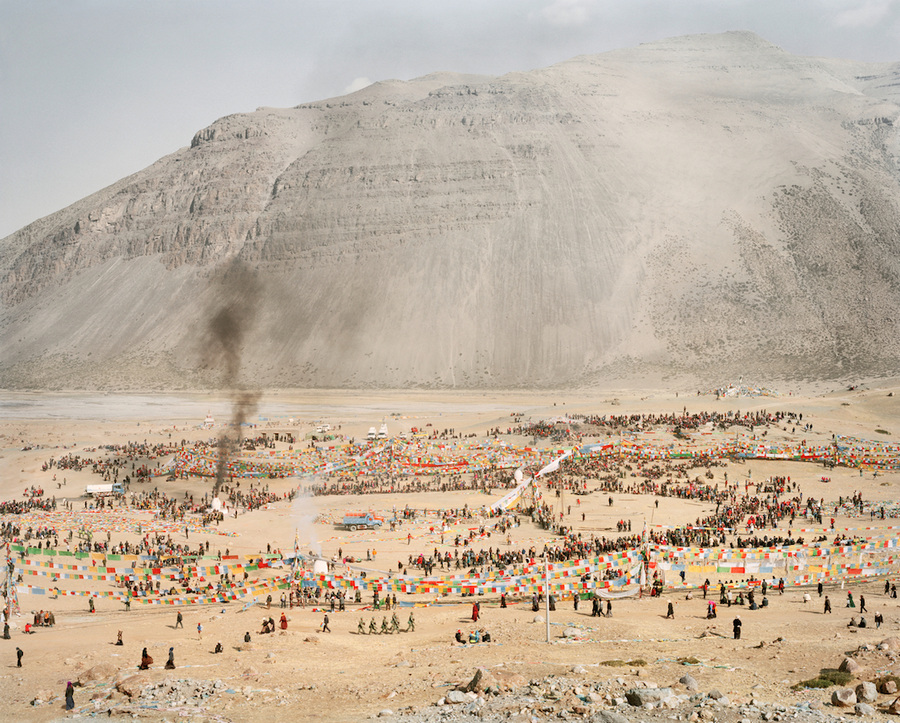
93, 90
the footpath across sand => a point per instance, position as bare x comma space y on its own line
341, 676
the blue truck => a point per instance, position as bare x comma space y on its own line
362, 521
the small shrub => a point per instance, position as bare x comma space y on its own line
812, 683
688, 661
638, 662
882, 431
614, 663
838, 677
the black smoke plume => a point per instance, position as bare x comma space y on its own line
236, 293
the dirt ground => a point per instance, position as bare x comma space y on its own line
341, 676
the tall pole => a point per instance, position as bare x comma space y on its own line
547, 594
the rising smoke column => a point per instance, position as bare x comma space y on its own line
236, 293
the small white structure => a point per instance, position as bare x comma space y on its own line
320, 567
209, 422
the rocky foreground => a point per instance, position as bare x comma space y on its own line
585, 692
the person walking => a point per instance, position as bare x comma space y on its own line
200, 631
827, 605
862, 604
70, 696
736, 626
179, 620
670, 613
325, 628
19, 655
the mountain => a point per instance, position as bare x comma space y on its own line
704, 206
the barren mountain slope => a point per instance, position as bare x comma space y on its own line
707, 205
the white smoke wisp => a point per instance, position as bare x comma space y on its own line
303, 513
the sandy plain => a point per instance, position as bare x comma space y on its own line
308, 675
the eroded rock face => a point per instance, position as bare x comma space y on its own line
643, 210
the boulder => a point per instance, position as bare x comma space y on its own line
608, 716
863, 709
101, 671
849, 665
641, 696
481, 681
716, 694
843, 698
457, 696
386, 713
866, 692
579, 670
571, 633
132, 685
888, 687
689, 682
894, 706
507, 680
890, 644
537, 619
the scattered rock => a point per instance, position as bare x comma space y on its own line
689, 682
716, 694
892, 644
843, 698
386, 713
862, 709
888, 687
537, 619
456, 696
311, 639
571, 633
579, 670
849, 665
894, 707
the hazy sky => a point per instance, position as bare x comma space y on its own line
93, 90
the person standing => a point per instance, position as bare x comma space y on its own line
70, 696
170, 663
200, 631
827, 605
179, 620
820, 588
670, 613
475, 612
736, 626
19, 655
